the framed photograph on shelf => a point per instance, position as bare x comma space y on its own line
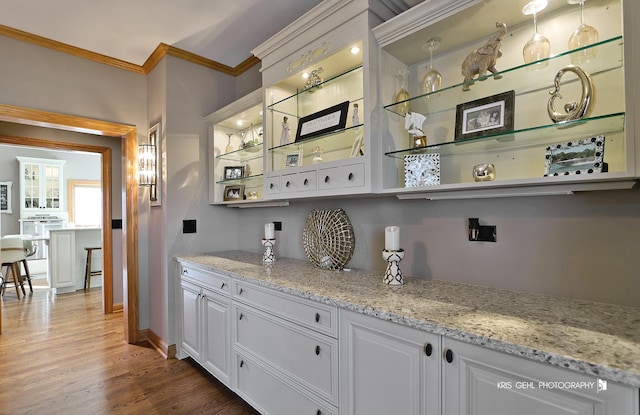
325, 121
293, 159
485, 116
5, 197
233, 193
576, 157
233, 172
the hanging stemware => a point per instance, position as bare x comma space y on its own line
583, 36
432, 80
403, 105
538, 47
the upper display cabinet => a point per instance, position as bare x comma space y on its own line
236, 152
319, 83
499, 98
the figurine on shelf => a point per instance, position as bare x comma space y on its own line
285, 138
229, 147
484, 58
413, 124
247, 170
317, 155
355, 118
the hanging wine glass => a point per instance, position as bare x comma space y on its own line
402, 97
538, 47
432, 80
581, 37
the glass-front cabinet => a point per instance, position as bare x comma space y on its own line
492, 97
41, 185
236, 151
320, 99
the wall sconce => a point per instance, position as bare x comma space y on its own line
148, 164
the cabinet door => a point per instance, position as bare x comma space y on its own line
480, 381
387, 368
216, 351
191, 319
62, 264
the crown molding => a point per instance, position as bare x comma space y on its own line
160, 52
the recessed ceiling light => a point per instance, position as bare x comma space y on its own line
355, 50
239, 123
305, 75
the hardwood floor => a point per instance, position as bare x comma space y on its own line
61, 355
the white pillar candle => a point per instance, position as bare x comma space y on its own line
392, 238
269, 231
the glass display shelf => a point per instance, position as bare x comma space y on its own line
248, 180
282, 106
529, 137
243, 154
334, 140
609, 57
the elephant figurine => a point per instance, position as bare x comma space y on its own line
484, 58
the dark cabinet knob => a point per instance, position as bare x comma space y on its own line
185, 272
317, 317
271, 186
428, 349
448, 355
317, 350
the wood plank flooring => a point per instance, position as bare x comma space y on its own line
61, 355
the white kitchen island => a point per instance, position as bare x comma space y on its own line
67, 258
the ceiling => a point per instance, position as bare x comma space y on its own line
131, 30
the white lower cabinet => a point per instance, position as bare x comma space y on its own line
286, 363
480, 381
387, 368
206, 322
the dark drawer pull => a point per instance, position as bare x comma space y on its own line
185, 272
317, 317
428, 349
326, 179
241, 363
350, 176
241, 315
270, 185
319, 412
287, 184
306, 182
448, 355
317, 350
222, 286
240, 292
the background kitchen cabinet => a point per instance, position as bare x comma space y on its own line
41, 185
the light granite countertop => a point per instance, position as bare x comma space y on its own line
594, 338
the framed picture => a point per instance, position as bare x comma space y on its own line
356, 148
576, 157
233, 172
293, 159
5, 197
233, 193
325, 121
490, 115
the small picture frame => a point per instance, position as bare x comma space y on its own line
293, 159
583, 156
5, 197
356, 148
325, 121
485, 116
233, 172
233, 193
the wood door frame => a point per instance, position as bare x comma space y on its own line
128, 135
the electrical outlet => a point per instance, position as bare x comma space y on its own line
189, 226
277, 226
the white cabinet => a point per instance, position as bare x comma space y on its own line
533, 154
41, 185
288, 344
62, 260
480, 381
235, 153
205, 321
320, 99
387, 368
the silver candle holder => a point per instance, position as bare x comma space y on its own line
269, 255
393, 274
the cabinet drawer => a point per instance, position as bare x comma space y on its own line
308, 357
316, 316
272, 185
307, 181
270, 394
215, 282
351, 175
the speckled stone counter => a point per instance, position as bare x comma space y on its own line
594, 338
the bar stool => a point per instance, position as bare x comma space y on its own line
88, 273
12, 256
